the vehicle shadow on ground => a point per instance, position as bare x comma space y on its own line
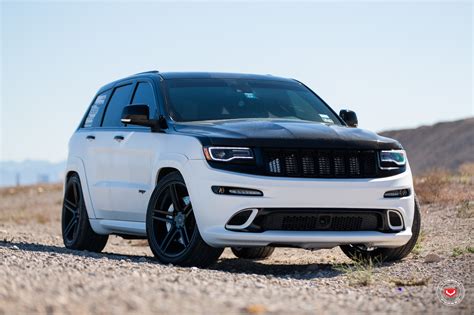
232, 265
300, 271
35, 247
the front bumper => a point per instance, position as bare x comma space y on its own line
213, 211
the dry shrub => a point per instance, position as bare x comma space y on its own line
467, 169
429, 186
360, 272
444, 187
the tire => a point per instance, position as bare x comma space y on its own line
172, 230
255, 253
387, 254
76, 229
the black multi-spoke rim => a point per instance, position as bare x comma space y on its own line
173, 220
71, 206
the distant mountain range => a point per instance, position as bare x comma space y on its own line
30, 172
443, 145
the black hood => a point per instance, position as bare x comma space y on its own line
284, 134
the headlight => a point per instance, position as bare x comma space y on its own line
392, 159
226, 154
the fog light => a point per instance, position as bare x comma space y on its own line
397, 193
222, 190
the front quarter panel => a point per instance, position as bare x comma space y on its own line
174, 151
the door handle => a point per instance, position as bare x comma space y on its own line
118, 138
90, 137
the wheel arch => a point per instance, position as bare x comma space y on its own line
69, 174
162, 172
75, 165
169, 163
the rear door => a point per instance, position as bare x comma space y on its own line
130, 155
92, 141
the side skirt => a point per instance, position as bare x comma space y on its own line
102, 226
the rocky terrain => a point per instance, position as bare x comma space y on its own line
445, 145
38, 275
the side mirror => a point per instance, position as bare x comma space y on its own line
137, 114
349, 117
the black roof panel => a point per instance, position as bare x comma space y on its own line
196, 75
218, 75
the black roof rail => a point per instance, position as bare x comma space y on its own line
145, 72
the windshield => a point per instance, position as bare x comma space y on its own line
221, 99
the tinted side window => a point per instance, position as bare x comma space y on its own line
144, 95
119, 100
96, 110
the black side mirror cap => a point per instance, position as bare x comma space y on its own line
139, 114
135, 114
349, 117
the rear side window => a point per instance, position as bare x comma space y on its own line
120, 99
144, 95
97, 109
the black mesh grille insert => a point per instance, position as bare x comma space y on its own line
321, 221
320, 163
291, 164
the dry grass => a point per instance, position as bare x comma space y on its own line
360, 272
458, 251
448, 188
418, 246
40, 204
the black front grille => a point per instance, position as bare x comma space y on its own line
320, 163
322, 222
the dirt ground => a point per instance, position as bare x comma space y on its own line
38, 275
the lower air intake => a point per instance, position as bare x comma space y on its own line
319, 219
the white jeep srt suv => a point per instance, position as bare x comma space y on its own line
196, 162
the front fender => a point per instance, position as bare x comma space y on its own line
171, 160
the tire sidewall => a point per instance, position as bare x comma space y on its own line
74, 179
154, 246
389, 254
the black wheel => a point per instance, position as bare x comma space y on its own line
76, 229
255, 253
172, 231
360, 252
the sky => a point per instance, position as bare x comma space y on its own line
397, 64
